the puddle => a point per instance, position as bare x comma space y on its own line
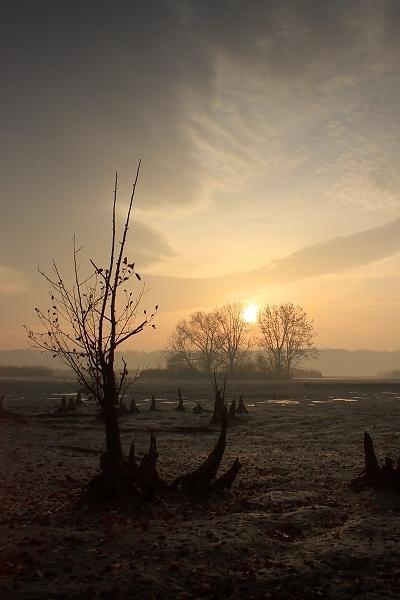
168, 401
283, 402
344, 399
334, 400
165, 400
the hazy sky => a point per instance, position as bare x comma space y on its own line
270, 139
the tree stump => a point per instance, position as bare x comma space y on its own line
232, 410
198, 409
133, 409
180, 406
62, 411
153, 405
219, 400
146, 475
377, 476
71, 404
241, 409
226, 480
78, 399
141, 478
201, 479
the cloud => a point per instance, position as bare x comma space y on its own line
274, 108
338, 255
146, 73
11, 281
149, 245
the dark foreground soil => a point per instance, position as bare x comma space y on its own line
290, 528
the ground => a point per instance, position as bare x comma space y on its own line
291, 527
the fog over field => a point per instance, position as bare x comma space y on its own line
330, 362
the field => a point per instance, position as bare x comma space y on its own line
291, 527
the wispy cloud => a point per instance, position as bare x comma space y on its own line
338, 255
149, 245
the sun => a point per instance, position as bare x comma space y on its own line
250, 313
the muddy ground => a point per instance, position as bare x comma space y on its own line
290, 528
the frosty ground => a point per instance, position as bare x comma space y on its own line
291, 527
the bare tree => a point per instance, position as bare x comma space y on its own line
197, 342
287, 337
84, 325
235, 334
210, 340
88, 320
180, 352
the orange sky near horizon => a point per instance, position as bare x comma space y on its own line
269, 138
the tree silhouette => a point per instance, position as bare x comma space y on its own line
88, 320
218, 339
287, 337
84, 325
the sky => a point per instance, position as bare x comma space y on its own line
270, 138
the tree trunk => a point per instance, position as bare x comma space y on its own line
113, 438
114, 456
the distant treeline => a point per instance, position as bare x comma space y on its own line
238, 374
395, 373
9, 371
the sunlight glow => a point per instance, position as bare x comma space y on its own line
250, 313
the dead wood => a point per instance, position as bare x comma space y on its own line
219, 400
140, 477
372, 468
377, 476
146, 475
241, 409
62, 411
153, 405
132, 457
200, 479
180, 406
232, 410
133, 409
226, 480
